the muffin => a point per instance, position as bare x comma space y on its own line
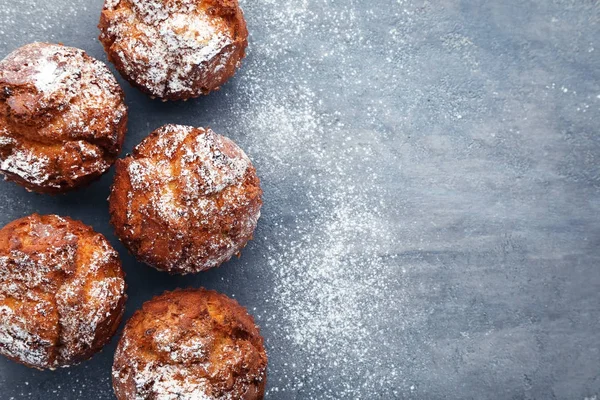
186, 200
189, 345
62, 291
174, 49
62, 118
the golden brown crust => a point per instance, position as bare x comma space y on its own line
192, 344
62, 291
174, 49
62, 117
186, 200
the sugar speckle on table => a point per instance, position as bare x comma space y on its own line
334, 276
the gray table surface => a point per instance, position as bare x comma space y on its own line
431, 226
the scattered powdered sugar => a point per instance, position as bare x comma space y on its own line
170, 139
169, 381
329, 243
337, 315
156, 11
54, 70
103, 297
186, 350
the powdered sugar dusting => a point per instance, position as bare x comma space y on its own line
5, 140
45, 76
219, 169
170, 382
16, 339
25, 164
54, 70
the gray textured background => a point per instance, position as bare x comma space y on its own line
431, 227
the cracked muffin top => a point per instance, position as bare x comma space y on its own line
186, 199
62, 117
62, 291
174, 49
191, 344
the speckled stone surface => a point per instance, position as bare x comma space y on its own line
431, 227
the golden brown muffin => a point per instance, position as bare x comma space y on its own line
190, 344
174, 49
62, 291
186, 200
62, 117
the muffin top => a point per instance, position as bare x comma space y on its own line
174, 49
186, 200
190, 344
62, 117
62, 291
